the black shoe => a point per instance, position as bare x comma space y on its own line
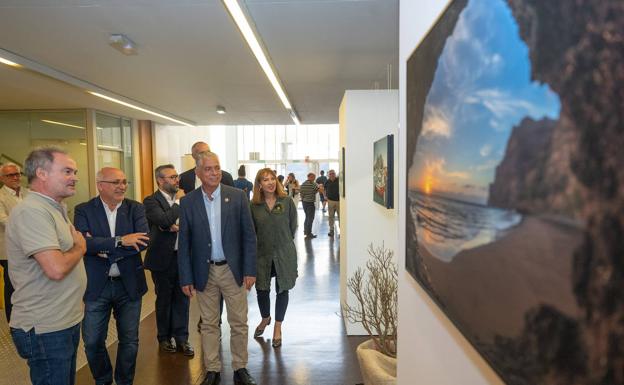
212, 378
168, 346
186, 349
331, 234
242, 377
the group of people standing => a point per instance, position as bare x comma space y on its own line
203, 238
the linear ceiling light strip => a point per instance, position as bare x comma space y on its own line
254, 44
15, 60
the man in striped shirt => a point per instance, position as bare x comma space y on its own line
308, 192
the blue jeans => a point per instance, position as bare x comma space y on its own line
50, 356
95, 329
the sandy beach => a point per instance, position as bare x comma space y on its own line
488, 289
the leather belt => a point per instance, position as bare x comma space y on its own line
217, 263
117, 278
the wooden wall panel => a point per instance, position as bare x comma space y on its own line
146, 157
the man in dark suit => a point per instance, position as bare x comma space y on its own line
116, 231
217, 255
188, 180
172, 306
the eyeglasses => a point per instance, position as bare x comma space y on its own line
122, 182
14, 175
171, 177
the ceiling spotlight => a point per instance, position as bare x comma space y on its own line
220, 110
122, 44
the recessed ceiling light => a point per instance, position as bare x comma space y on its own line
123, 44
8, 62
139, 108
236, 12
61, 123
220, 110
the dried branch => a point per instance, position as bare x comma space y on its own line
375, 290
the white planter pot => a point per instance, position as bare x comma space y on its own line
376, 368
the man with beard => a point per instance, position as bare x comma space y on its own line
116, 231
162, 210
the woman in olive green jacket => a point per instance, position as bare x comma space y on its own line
275, 217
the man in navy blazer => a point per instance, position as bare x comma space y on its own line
116, 231
217, 255
188, 179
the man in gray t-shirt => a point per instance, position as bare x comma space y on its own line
44, 251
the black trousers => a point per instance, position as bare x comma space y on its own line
309, 210
281, 300
8, 290
172, 306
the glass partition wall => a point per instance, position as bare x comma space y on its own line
70, 129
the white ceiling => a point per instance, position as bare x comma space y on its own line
193, 58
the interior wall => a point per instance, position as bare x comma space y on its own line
431, 350
365, 117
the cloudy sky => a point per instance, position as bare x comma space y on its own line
481, 89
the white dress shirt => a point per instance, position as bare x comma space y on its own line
172, 200
111, 215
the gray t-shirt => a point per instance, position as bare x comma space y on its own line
36, 224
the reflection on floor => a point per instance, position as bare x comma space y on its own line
315, 351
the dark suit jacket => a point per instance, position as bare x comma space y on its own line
160, 217
237, 237
187, 180
90, 217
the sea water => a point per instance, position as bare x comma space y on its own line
447, 226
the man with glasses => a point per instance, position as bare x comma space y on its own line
116, 232
162, 210
11, 194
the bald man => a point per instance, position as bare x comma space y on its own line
116, 232
188, 179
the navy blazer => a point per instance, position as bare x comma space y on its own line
160, 217
90, 217
238, 237
187, 180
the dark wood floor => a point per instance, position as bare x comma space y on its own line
315, 351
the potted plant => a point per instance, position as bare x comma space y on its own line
375, 290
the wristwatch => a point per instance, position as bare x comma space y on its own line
118, 241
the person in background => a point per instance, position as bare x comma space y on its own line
275, 218
217, 257
11, 194
242, 182
44, 253
162, 210
292, 188
116, 231
321, 181
188, 180
308, 191
332, 195
280, 178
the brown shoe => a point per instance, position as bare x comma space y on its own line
259, 331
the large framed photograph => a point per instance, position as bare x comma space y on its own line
383, 171
515, 189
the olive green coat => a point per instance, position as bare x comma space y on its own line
276, 231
